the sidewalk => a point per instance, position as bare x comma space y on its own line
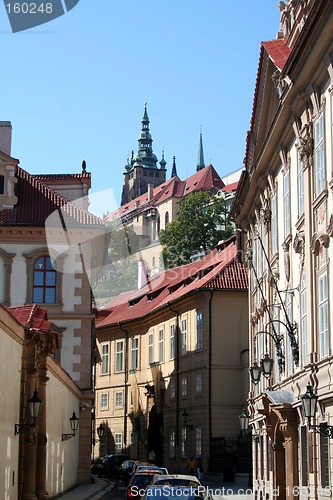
91, 491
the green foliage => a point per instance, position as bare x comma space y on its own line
201, 224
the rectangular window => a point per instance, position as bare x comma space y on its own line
105, 359
119, 399
104, 401
184, 386
324, 462
172, 451
286, 203
323, 315
198, 441
161, 346
119, 356
104, 444
150, 348
198, 384
300, 186
319, 144
304, 456
118, 442
172, 389
183, 444
172, 341
274, 225
135, 353
303, 332
183, 337
199, 334
289, 309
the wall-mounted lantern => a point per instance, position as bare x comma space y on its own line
74, 423
34, 405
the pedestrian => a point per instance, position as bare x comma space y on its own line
199, 468
192, 466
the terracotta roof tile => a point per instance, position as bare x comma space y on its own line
229, 188
278, 51
32, 317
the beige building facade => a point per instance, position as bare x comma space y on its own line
284, 212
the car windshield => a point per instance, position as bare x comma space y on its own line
140, 479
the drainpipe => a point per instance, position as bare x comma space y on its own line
210, 375
125, 384
177, 378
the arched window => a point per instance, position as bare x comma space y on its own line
166, 219
44, 281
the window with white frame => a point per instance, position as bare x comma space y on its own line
105, 358
150, 348
300, 186
161, 346
118, 442
119, 399
304, 456
198, 441
172, 341
172, 388
303, 328
104, 401
183, 338
319, 144
274, 224
135, 353
119, 356
172, 444
286, 203
199, 332
289, 309
198, 384
324, 449
104, 444
183, 444
184, 386
276, 326
323, 315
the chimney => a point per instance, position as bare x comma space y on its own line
6, 137
142, 273
150, 191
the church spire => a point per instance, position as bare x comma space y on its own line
145, 156
174, 168
201, 161
163, 162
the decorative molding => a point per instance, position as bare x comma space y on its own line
266, 214
305, 145
329, 229
318, 240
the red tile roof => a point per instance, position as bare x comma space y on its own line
218, 270
36, 202
31, 317
278, 51
229, 188
61, 177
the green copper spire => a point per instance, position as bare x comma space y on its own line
163, 162
201, 161
174, 168
145, 156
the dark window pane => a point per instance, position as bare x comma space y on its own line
49, 263
50, 295
38, 295
50, 278
38, 278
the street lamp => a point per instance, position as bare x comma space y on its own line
309, 405
244, 420
185, 416
74, 423
34, 405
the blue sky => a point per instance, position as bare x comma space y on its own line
74, 88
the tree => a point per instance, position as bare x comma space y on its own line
201, 223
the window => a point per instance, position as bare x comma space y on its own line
274, 225
104, 401
172, 389
323, 315
119, 399
183, 444
183, 338
166, 218
172, 341
286, 203
118, 442
161, 346
135, 353
300, 187
303, 331
184, 386
304, 456
319, 144
104, 445
198, 384
44, 281
289, 309
119, 356
105, 359
198, 441
172, 451
150, 348
324, 462
198, 343
2, 184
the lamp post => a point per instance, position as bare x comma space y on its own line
74, 423
244, 420
185, 416
309, 406
34, 404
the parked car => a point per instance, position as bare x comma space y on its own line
175, 480
125, 470
96, 466
111, 462
155, 468
138, 484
